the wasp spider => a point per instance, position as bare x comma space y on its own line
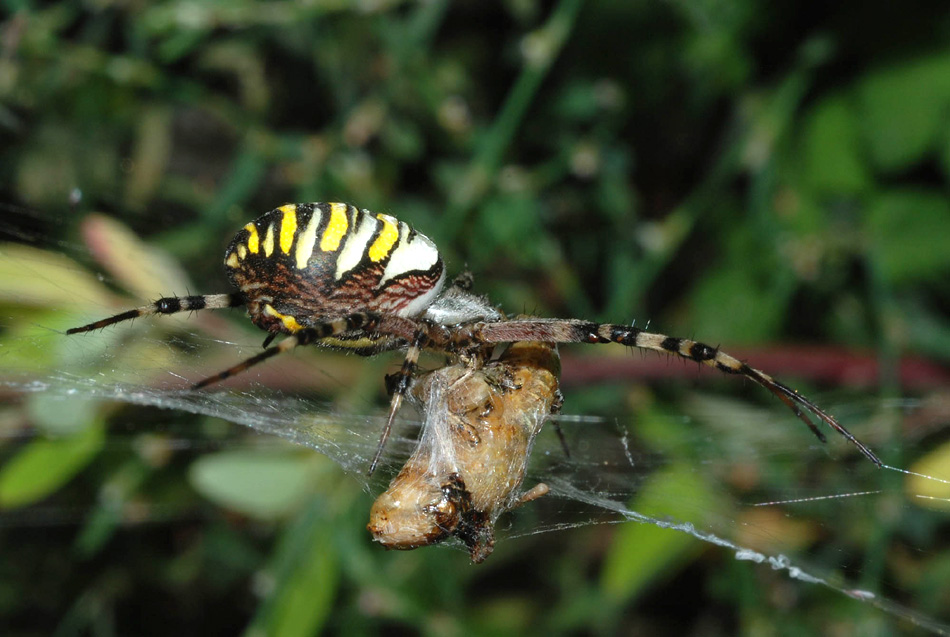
334, 275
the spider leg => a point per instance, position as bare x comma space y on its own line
168, 305
556, 409
369, 321
465, 280
399, 382
560, 436
300, 338
575, 331
535, 492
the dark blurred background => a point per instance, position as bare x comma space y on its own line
764, 176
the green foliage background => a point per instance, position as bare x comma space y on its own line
742, 172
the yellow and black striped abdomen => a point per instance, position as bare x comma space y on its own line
301, 263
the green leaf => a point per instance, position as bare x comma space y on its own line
37, 278
733, 306
642, 552
903, 110
145, 270
306, 574
45, 465
256, 483
106, 516
57, 417
910, 232
306, 596
831, 153
501, 227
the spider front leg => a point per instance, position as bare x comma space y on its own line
398, 383
575, 331
168, 305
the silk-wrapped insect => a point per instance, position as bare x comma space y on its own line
470, 462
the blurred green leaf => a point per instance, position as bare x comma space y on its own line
106, 517
45, 465
58, 417
256, 483
910, 232
903, 108
662, 432
504, 221
732, 306
643, 552
149, 162
144, 270
52, 280
307, 594
832, 156
932, 588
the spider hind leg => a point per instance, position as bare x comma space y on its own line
576, 331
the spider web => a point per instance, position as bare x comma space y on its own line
713, 469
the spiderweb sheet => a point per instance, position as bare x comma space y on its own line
740, 474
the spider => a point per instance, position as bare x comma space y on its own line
334, 275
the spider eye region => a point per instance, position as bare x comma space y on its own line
301, 263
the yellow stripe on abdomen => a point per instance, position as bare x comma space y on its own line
336, 228
387, 238
288, 226
252, 238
